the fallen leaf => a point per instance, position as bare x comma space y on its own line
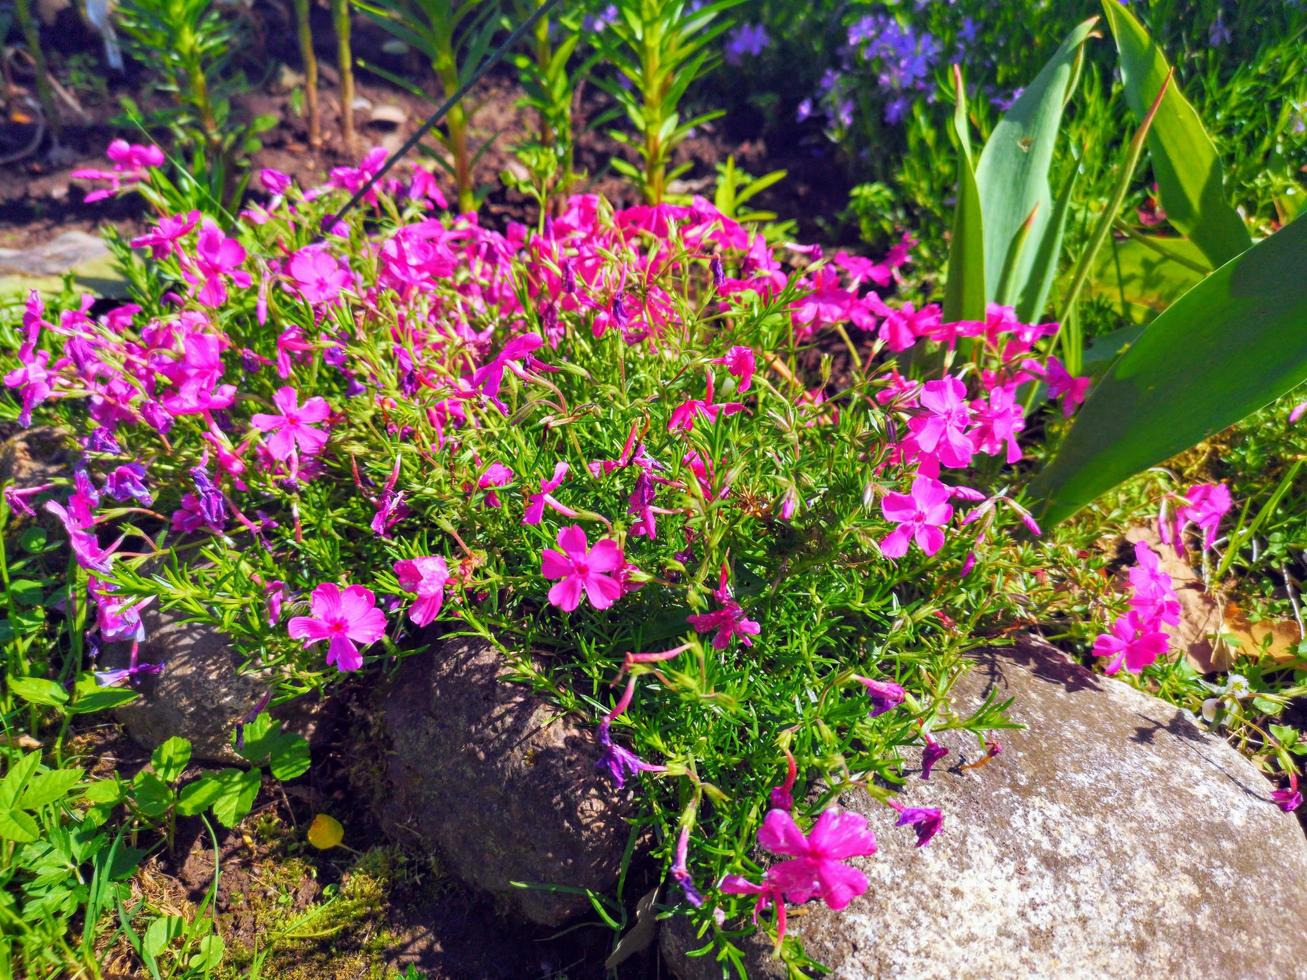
325, 832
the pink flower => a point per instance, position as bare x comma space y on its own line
85, 545
931, 756
129, 165
318, 275
997, 423
535, 508
1060, 383
581, 568
426, 578
162, 240
741, 364
684, 414
941, 430
294, 427
1208, 503
344, 618
728, 621
217, 258
495, 475
1154, 597
1134, 642
815, 868
926, 821
919, 517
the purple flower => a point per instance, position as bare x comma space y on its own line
618, 762
681, 872
1218, 34
212, 507
127, 482
926, 821
930, 755
884, 694
390, 505
86, 549
102, 440
16, 498
747, 39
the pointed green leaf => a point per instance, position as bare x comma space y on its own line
1012, 175
49, 787
1227, 347
1190, 182
964, 290
38, 690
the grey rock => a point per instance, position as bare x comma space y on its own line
69, 251
202, 693
492, 782
1111, 838
34, 456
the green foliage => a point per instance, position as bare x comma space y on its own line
658, 48
1172, 388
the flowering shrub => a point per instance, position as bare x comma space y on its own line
637, 448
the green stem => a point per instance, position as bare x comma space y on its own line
32, 37
310, 61
345, 63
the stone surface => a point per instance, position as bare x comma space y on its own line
488, 778
84, 255
1111, 838
201, 694
34, 456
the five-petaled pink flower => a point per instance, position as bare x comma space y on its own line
425, 577
319, 277
343, 618
1134, 643
1208, 503
919, 516
579, 568
217, 258
941, 429
816, 867
295, 425
741, 364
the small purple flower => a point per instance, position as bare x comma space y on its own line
86, 548
618, 762
746, 40
127, 482
1218, 34
681, 872
213, 508
926, 821
390, 505
16, 498
930, 755
884, 694
101, 440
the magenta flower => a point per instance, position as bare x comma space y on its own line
425, 577
1060, 383
997, 423
162, 239
217, 259
680, 870
85, 545
884, 694
127, 482
683, 415
319, 276
815, 868
1154, 597
580, 568
390, 505
930, 756
344, 619
1289, 798
740, 364
919, 517
1134, 643
729, 621
294, 427
495, 475
535, 508
1208, 503
926, 821
941, 430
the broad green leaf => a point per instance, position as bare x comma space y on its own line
1012, 177
198, 796
169, 759
1140, 281
38, 690
239, 791
209, 955
1030, 306
1190, 182
17, 826
161, 932
152, 795
964, 290
11, 787
49, 787
1227, 347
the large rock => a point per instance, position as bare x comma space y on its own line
487, 777
34, 456
202, 693
1111, 838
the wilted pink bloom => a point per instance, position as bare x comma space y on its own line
390, 505
1133, 643
217, 258
275, 591
118, 618
127, 482
580, 568
319, 276
425, 577
741, 364
930, 756
274, 181
344, 618
494, 475
16, 497
941, 429
926, 821
680, 870
294, 427
919, 517
535, 508
782, 797
86, 548
884, 694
